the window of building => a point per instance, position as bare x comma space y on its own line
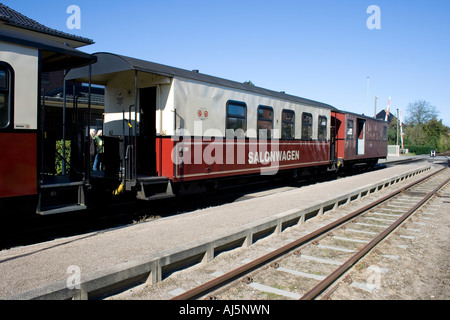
265, 122
236, 119
350, 130
5, 95
288, 124
307, 121
322, 133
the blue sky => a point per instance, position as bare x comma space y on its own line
320, 50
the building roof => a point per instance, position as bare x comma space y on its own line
382, 115
16, 19
81, 92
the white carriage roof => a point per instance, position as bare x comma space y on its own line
108, 63
55, 55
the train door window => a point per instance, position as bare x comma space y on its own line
236, 119
361, 136
350, 130
288, 124
307, 121
322, 133
265, 122
5, 95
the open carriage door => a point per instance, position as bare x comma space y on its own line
361, 133
63, 153
132, 118
146, 164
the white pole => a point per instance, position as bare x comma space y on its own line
367, 98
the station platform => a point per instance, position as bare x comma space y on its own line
81, 267
405, 158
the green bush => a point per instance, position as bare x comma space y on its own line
59, 160
419, 149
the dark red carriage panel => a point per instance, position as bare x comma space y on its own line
202, 158
338, 121
164, 163
365, 138
18, 165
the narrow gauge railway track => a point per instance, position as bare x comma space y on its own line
326, 254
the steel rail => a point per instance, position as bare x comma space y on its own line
330, 279
241, 271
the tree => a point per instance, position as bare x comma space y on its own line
415, 135
437, 135
420, 112
444, 142
424, 129
392, 131
433, 130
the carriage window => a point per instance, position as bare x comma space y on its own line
307, 126
265, 122
236, 119
287, 124
322, 134
350, 130
384, 133
5, 108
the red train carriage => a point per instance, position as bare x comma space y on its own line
359, 139
172, 125
24, 56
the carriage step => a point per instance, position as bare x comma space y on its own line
155, 189
62, 209
61, 198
